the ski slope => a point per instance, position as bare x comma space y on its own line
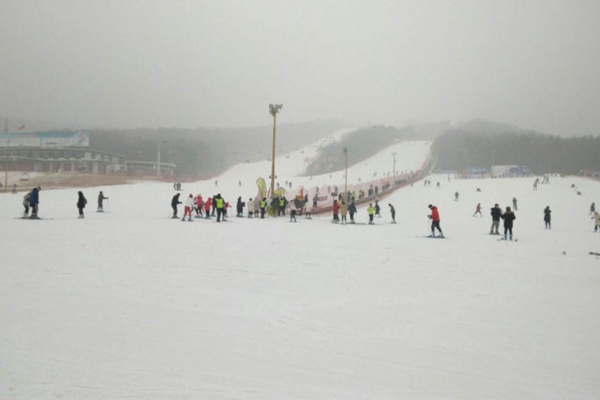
130, 304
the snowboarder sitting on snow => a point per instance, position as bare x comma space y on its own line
508, 218
435, 221
101, 199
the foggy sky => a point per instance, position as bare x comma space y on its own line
151, 63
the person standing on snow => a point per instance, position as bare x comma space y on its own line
352, 211
343, 211
187, 207
393, 212
496, 214
199, 205
219, 205
207, 207
377, 209
101, 199
174, 202
293, 211
435, 221
81, 202
250, 207
263, 207
26, 205
239, 207
508, 218
336, 210
371, 212
547, 217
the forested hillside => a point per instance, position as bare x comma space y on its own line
361, 144
459, 150
204, 151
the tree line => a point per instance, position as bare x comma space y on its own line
459, 150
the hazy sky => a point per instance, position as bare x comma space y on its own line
152, 63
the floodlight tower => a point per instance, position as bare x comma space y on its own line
274, 110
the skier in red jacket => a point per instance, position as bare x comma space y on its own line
435, 221
336, 210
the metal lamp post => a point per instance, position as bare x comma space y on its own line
394, 170
346, 173
274, 110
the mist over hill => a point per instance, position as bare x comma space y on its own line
481, 144
208, 151
476, 143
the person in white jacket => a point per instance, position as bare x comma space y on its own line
188, 205
292, 211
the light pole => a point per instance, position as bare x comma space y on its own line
394, 170
158, 151
346, 172
274, 110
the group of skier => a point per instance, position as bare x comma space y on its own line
31, 202
217, 206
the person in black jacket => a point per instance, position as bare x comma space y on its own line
81, 202
547, 217
174, 202
508, 218
101, 198
34, 201
352, 211
496, 214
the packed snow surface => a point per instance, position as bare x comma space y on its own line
131, 304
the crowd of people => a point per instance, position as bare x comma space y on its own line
342, 207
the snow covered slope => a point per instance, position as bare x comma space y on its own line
131, 304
